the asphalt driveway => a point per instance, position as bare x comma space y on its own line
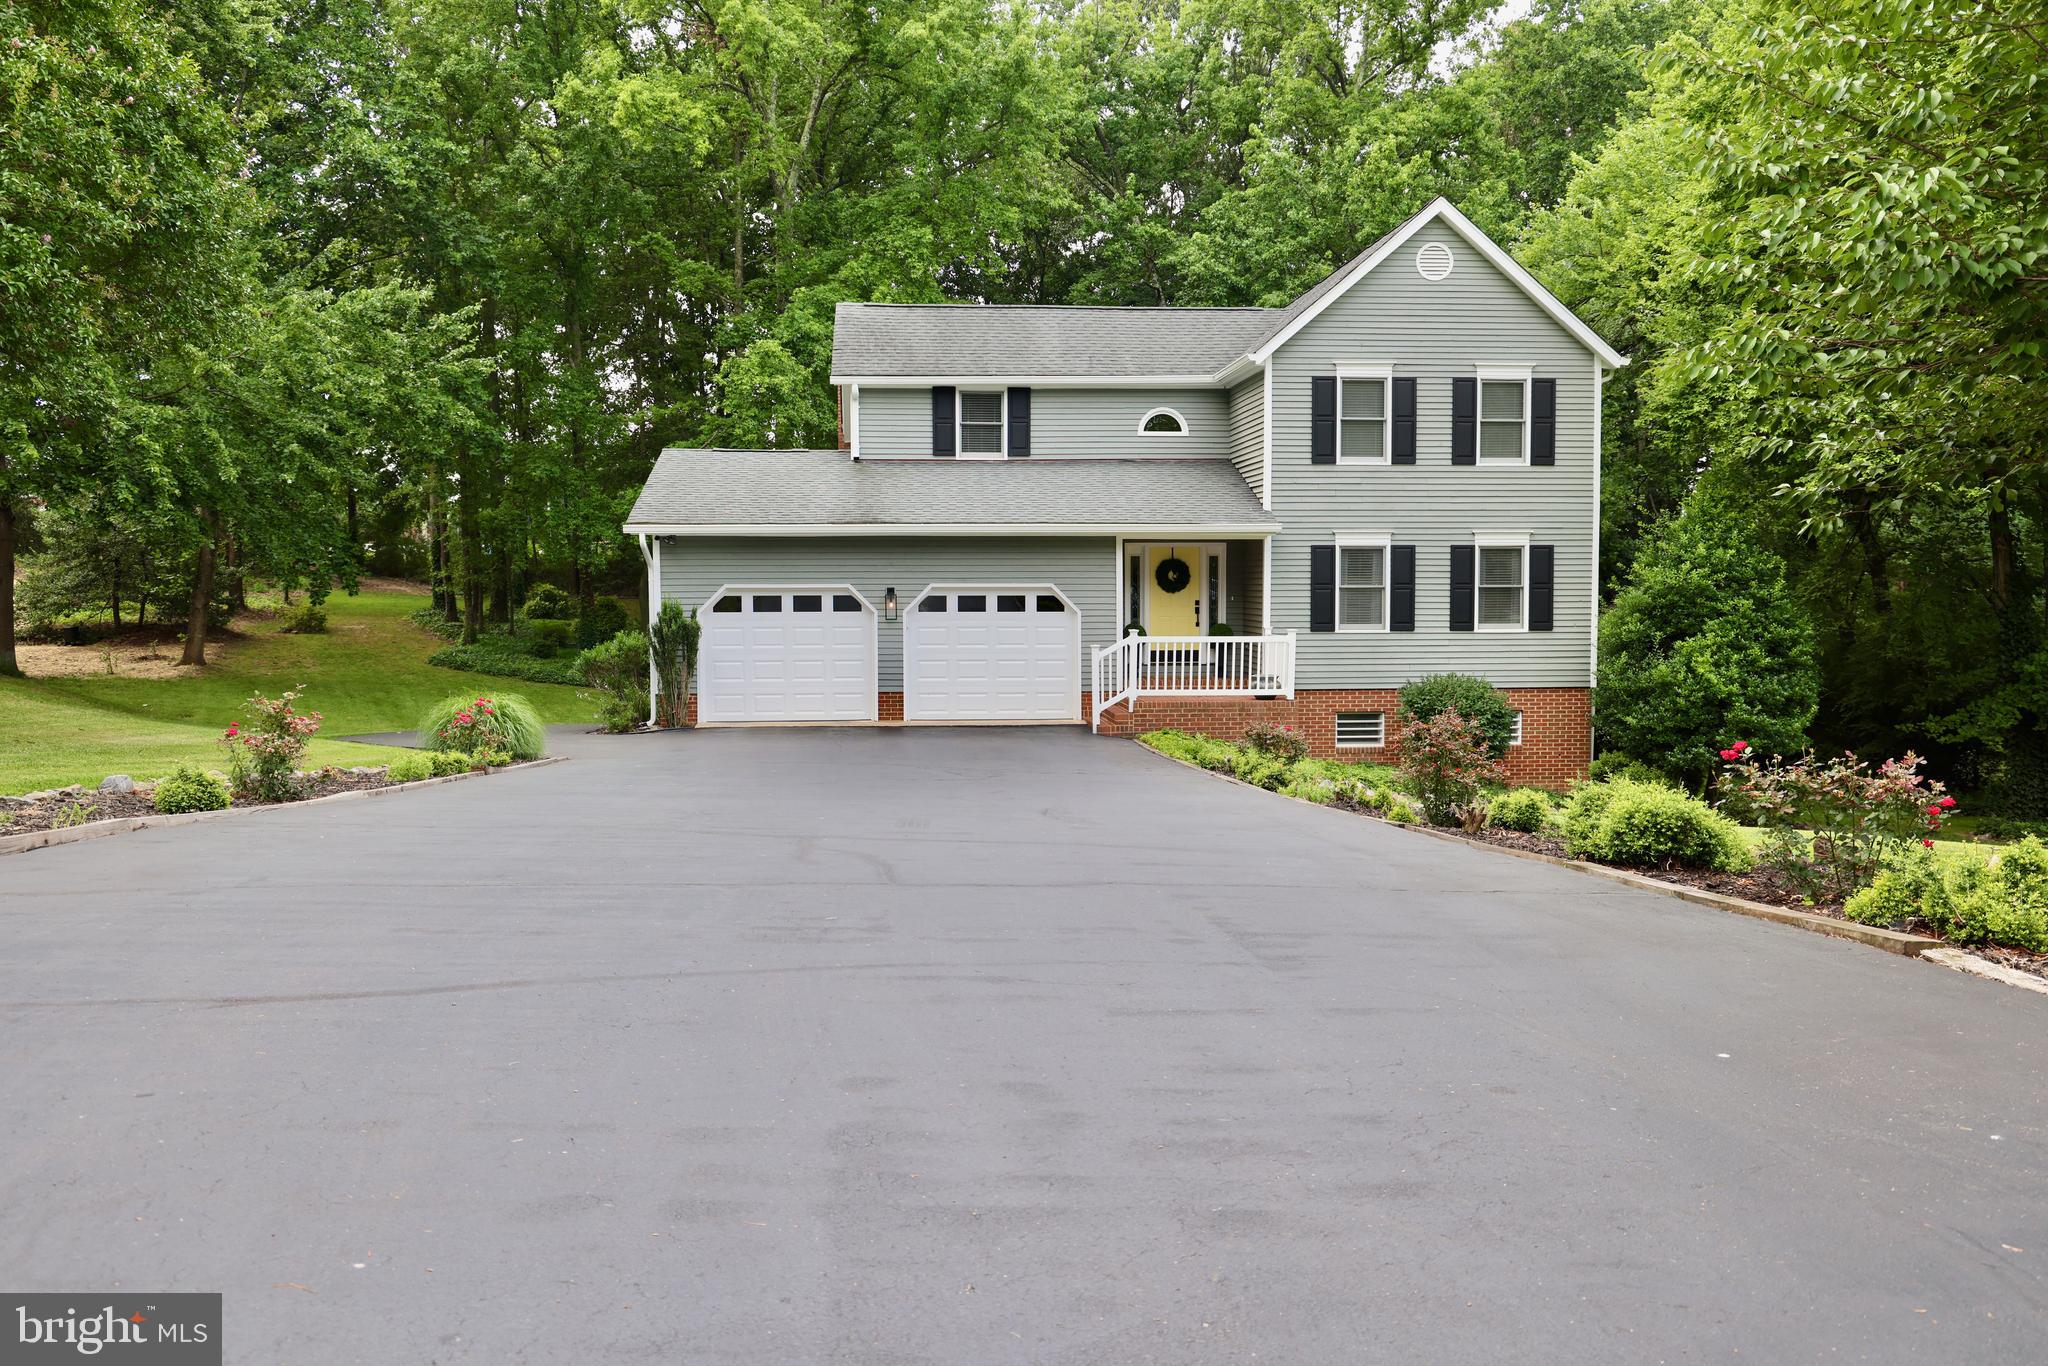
979, 1046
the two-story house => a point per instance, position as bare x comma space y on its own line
1198, 517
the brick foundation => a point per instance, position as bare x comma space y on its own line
1557, 725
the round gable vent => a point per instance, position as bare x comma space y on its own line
1434, 261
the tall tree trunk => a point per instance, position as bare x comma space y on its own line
355, 537
468, 519
2001, 557
202, 595
1876, 559
501, 588
8, 664
116, 595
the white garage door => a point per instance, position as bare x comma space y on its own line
787, 654
991, 654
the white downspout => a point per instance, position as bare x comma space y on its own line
653, 559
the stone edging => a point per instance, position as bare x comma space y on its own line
44, 839
1892, 941
1962, 960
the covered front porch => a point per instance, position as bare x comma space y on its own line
1195, 614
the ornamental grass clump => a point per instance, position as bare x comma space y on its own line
1446, 760
1648, 825
264, 753
1859, 818
492, 729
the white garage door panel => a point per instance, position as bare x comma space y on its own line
991, 665
762, 660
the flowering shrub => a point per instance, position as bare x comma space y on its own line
264, 754
1860, 817
1279, 742
476, 730
1446, 760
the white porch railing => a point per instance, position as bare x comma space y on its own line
1192, 666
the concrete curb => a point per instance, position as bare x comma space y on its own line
1962, 960
1891, 941
92, 830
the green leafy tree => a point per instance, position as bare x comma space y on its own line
1704, 646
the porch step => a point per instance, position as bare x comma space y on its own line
1118, 720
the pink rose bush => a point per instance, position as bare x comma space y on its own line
1860, 817
264, 755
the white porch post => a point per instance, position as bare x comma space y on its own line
653, 611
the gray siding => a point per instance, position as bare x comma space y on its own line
1083, 568
1064, 422
1435, 331
1248, 432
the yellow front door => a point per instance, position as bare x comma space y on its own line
1173, 614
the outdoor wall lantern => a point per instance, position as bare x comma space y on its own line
889, 604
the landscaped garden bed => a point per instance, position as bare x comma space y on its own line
263, 753
1834, 838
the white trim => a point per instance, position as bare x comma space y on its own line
1523, 375
1450, 260
1501, 261
1383, 375
653, 559
1482, 541
1593, 645
1266, 587
1385, 545
853, 419
874, 637
1230, 530
960, 451
1266, 421
1090, 381
1173, 413
1199, 584
1004, 585
1515, 735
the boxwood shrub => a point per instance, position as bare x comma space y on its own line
1526, 809
410, 768
190, 788
1648, 825
1482, 705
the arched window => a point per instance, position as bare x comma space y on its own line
1162, 422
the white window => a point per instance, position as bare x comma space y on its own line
981, 424
1503, 419
1515, 733
1364, 434
1361, 729
1162, 422
1503, 587
1361, 586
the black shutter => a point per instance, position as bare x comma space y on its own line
1542, 585
942, 419
1543, 409
1322, 420
1322, 588
1020, 423
1404, 422
1401, 615
1465, 424
1461, 582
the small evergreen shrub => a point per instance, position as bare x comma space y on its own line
505, 657
410, 768
1400, 810
190, 788
1526, 809
1280, 742
1613, 765
2005, 903
545, 602
673, 640
449, 762
546, 636
502, 726
625, 710
304, 620
1648, 825
603, 619
1213, 755
1484, 707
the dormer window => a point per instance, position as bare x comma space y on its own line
981, 424
1163, 422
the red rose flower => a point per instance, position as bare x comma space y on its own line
1947, 802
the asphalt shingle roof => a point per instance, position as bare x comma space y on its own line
969, 340
826, 488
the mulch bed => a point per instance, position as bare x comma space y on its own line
79, 805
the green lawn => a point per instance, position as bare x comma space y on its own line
368, 673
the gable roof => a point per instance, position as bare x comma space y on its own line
787, 492
1022, 343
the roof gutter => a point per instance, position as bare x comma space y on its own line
1185, 530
